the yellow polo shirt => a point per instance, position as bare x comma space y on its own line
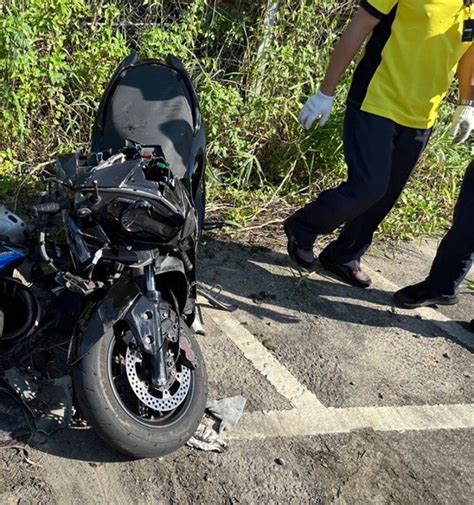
410, 59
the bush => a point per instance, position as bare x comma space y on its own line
253, 71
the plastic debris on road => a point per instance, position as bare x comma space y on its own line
222, 416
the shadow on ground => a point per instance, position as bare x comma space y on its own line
236, 267
80, 444
259, 282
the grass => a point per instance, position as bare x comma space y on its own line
253, 73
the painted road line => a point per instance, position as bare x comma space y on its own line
310, 417
430, 315
307, 422
453, 329
276, 374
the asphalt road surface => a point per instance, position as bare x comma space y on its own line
349, 399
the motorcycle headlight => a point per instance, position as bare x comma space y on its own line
144, 221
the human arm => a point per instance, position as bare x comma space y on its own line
346, 49
466, 75
463, 121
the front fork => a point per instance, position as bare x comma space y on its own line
155, 340
145, 320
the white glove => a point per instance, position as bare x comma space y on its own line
463, 123
317, 107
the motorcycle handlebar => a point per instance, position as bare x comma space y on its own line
51, 207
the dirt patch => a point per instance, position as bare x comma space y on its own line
22, 479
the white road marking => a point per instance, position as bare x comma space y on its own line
453, 329
307, 422
310, 417
276, 374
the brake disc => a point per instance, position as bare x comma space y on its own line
168, 401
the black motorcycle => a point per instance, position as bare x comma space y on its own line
131, 214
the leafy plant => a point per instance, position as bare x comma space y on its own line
254, 66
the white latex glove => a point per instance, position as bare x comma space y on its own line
317, 107
463, 123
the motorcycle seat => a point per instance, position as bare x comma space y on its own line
150, 104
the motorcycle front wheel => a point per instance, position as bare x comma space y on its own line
115, 397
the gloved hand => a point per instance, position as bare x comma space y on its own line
463, 123
317, 107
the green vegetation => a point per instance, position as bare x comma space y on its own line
56, 57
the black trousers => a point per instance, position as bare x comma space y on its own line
455, 254
381, 156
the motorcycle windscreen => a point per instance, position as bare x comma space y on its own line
151, 106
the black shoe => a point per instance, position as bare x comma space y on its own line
422, 295
293, 247
353, 276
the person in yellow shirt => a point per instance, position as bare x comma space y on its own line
414, 50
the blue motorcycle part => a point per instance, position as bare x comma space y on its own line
11, 256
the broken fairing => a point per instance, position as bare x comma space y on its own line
12, 228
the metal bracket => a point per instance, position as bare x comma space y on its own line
145, 321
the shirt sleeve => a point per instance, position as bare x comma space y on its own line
378, 8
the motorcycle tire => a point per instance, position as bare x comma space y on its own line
100, 406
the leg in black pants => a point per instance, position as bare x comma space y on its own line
380, 156
453, 260
357, 234
368, 148
455, 254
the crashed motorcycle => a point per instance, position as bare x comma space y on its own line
128, 216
